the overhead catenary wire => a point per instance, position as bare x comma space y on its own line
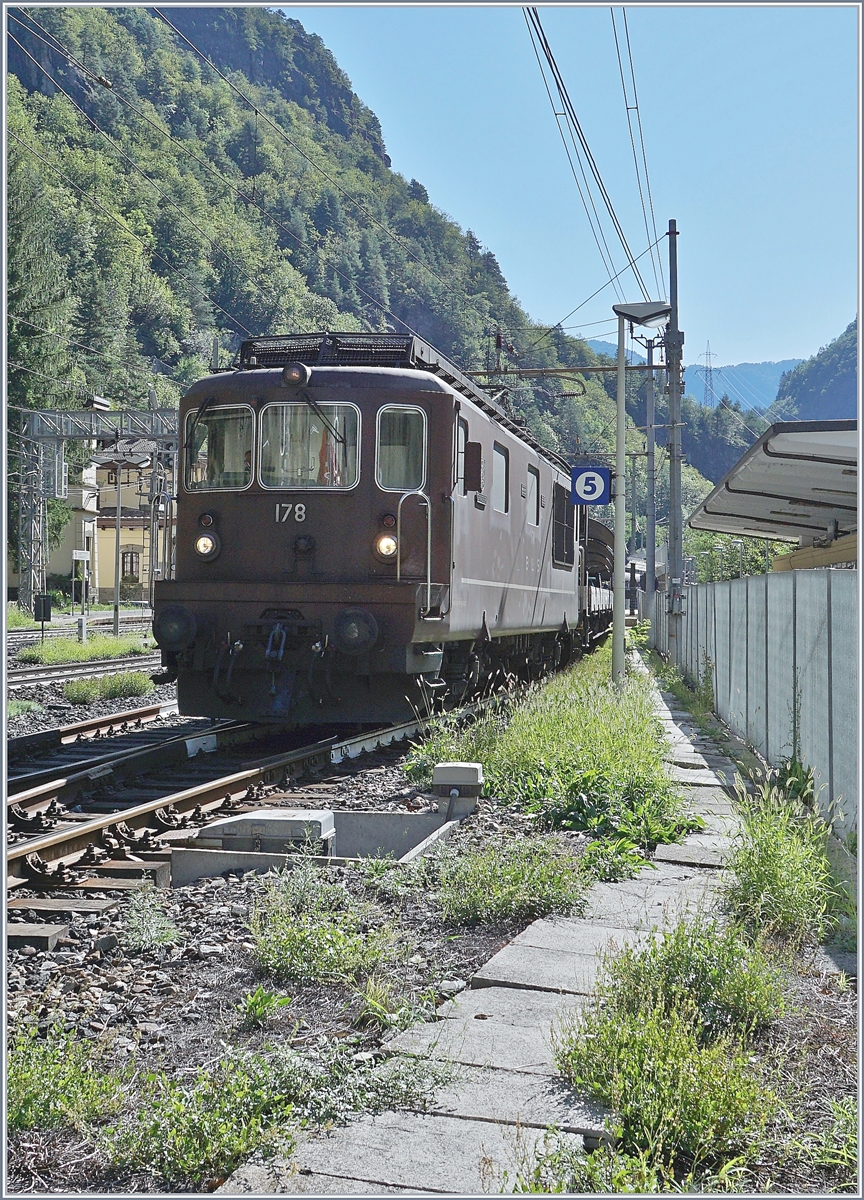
593, 222
576, 127
630, 109
644, 156
559, 324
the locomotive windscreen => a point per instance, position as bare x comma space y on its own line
309, 448
219, 448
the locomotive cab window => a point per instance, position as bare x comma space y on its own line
461, 442
500, 478
219, 448
401, 449
533, 499
305, 447
562, 527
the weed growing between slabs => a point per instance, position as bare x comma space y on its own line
576, 751
666, 1047
781, 881
306, 928
107, 687
191, 1132
146, 925
69, 650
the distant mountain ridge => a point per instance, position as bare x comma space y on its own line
753, 385
825, 387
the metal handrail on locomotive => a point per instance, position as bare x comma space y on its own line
362, 530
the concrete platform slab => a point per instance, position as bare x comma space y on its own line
510, 1006
480, 1044
516, 1098
574, 936
420, 1152
547, 970
281, 1177
660, 907
692, 856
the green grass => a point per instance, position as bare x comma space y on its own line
781, 884
17, 618
664, 1044
677, 1098
836, 1148
509, 878
58, 1081
732, 986
108, 687
20, 708
195, 1131
306, 928
66, 650
577, 751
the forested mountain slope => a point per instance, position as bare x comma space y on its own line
823, 388
152, 209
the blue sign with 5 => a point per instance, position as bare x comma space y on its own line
590, 485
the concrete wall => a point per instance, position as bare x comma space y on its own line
783, 650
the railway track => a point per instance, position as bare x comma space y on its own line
36, 674
116, 849
15, 638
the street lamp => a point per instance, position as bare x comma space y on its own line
652, 314
739, 543
706, 554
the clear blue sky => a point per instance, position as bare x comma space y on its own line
750, 118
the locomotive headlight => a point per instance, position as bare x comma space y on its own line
208, 545
386, 546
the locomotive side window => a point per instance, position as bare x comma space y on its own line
219, 448
401, 454
461, 442
562, 527
500, 478
305, 447
533, 501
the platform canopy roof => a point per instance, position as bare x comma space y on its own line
796, 481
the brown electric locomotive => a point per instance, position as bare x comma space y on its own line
362, 530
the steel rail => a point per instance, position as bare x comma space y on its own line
63, 843
28, 676
48, 739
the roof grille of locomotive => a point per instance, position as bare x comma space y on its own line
376, 350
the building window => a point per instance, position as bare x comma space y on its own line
562, 527
130, 564
533, 503
500, 478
